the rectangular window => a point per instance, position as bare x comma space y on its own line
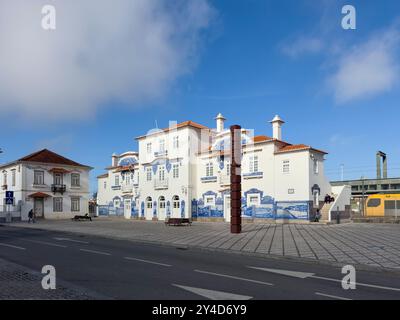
209, 200
58, 204
148, 174
105, 185
209, 170
58, 179
285, 166
161, 173
315, 166
162, 146
75, 204
75, 179
128, 179
176, 142
5, 178
149, 148
13, 177
175, 171
117, 180
253, 164
38, 177
254, 200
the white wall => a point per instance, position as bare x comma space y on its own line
25, 187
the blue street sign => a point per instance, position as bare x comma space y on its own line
9, 194
9, 197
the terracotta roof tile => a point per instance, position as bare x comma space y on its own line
297, 147
261, 139
47, 156
105, 175
188, 123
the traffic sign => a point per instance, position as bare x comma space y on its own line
9, 197
9, 194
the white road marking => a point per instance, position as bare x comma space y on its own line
11, 246
45, 243
301, 275
213, 294
360, 284
234, 277
96, 252
331, 296
71, 240
304, 275
148, 261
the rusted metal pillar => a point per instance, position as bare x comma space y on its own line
236, 180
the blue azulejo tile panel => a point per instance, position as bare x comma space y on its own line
292, 210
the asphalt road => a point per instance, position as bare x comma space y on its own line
117, 269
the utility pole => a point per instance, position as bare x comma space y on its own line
363, 194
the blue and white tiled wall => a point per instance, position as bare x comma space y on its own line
268, 208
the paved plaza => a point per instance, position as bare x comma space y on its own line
18, 282
375, 245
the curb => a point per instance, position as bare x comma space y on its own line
361, 267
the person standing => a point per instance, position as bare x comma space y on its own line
317, 216
30, 216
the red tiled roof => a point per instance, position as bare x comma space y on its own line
298, 147
188, 123
39, 195
261, 139
47, 156
123, 168
59, 170
105, 175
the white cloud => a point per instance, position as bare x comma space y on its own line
368, 69
302, 45
102, 51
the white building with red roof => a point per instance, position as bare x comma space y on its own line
183, 171
53, 186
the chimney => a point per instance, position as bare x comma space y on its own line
277, 127
114, 161
220, 122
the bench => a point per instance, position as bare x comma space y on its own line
80, 218
178, 221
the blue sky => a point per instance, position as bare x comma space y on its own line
337, 90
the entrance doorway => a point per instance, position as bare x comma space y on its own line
38, 207
227, 208
127, 208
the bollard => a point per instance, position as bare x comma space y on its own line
337, 216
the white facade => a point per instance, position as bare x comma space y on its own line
118, 188
183, 171
54, 190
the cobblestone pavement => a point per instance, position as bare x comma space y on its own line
355, 243
20, 283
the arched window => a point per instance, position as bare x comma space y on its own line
161, 202
149, 203
175, 201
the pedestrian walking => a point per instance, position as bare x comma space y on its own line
30, 216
